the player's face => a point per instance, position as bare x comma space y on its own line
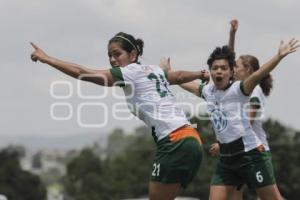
118, 57
221, 73
240, 71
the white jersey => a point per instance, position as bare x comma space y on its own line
149, 98
259, 99
226, 109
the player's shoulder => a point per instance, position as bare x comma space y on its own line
206, 89
132, 66
236, 84
237, 88
257, 91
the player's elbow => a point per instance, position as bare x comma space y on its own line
102, 79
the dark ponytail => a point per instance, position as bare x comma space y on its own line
140, 45
252, 62
266, 84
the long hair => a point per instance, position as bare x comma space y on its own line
252, 62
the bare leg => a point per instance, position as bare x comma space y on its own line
270, 192
221, 192
238, 194
160, 191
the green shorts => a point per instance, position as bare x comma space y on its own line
253, 168
176, 162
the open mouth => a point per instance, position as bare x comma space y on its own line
219, 79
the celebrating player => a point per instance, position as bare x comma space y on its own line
243, 159
146, 87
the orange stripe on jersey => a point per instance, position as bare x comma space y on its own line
184, 132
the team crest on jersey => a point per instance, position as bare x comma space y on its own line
219, 120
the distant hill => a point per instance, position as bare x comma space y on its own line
35, 142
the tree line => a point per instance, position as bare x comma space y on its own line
124, 170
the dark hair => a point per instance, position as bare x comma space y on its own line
266, 83
223, 52
128, 43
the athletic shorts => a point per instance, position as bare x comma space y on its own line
178, 157
253, 168
269, 155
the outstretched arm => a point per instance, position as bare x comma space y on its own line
180, 77
284, 49
234, 24
184, 78
100, 77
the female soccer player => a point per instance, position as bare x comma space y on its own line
245, 66
243, 159
146, 87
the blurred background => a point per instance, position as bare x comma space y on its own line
61, 139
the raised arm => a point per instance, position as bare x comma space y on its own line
284, 49
234, 24
100, 77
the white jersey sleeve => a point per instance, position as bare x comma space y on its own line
258, 97
203, 90
125, 75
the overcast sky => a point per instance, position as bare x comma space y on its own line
78, 31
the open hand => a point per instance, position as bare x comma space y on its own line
287, 48
165, 64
